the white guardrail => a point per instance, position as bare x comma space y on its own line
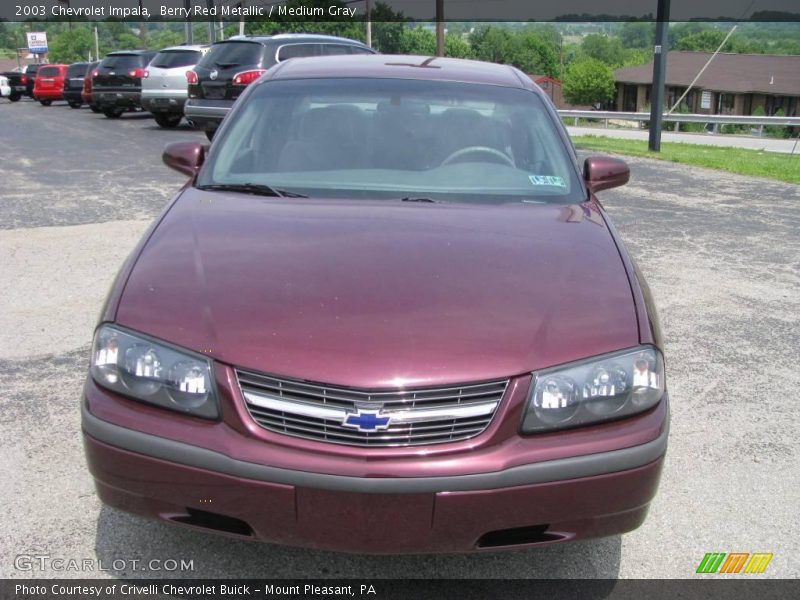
716, 120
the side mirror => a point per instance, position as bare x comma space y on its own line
184, 157
604, 172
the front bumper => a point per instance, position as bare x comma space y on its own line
450, 502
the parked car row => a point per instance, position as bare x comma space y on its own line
199, 82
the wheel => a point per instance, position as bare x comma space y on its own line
14, 97
167, 120
95, 108
112, 113
73, 104
45, 102
210, 133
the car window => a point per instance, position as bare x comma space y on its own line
297, 51
48, 71
77, 70
121, 62
394, 138
169, 59
232, 54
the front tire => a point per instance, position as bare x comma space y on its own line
14, 97
95, 108
166, 120
73, 104
112, 113
45, 102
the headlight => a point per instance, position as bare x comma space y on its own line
153, 372
598, 389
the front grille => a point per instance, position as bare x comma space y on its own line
415, 416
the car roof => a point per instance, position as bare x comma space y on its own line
194, 47
292, 37
125, 52
387, 66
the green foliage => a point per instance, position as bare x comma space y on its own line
704, 41
774, 165
528, 50
606, 49
778, 131
418, 41
456, 46
588, 81
638, 35
71, 46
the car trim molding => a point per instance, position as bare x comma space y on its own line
544, 472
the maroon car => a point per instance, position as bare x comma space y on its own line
386, 313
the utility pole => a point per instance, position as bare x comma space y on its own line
369, 23
241, 19
187, 4
439, 27
212, 34
659, 75
96, 45
142, 28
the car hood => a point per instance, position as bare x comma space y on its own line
381, 294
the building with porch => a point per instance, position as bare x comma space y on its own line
733, 84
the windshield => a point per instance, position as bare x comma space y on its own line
394, 138
168, 59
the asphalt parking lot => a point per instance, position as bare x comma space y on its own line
722, 256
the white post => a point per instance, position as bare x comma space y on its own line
96, 45
369, 23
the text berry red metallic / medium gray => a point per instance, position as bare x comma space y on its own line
387, 293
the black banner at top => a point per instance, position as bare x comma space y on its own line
398, 10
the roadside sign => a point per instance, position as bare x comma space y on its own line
37, 42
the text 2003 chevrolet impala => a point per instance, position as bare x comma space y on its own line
386, 314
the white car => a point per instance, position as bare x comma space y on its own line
5, 89
164, 87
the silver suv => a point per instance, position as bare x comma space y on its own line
164, 87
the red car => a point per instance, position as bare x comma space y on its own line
387, 313
49, 84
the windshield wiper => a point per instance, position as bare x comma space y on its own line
257, 189
417, 199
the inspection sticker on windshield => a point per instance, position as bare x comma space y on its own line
551, 180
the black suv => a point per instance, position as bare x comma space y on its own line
73, 83
229, 66
117, 87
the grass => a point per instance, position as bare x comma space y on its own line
756, 163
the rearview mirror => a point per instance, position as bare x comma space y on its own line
184, 157
604, 172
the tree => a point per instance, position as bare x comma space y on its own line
637, 35
387, 29
705, 41
71, 46
418, 41
603, 48
529, 50
456, 47
588, 81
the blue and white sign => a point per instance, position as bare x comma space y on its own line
37, 42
